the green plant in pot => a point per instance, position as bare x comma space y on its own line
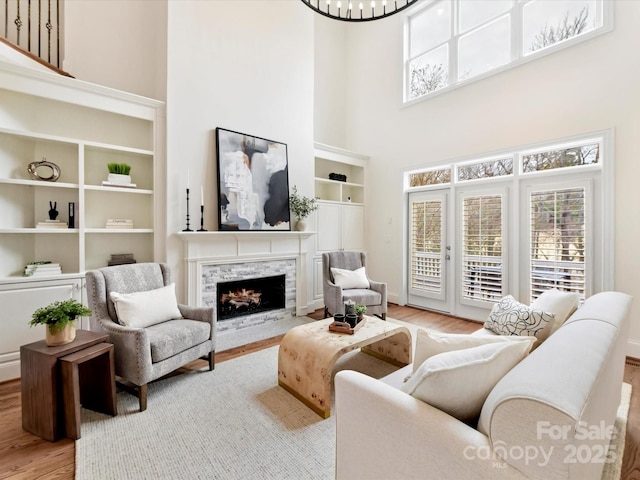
360, 311
301, 207
119, 173
59, 319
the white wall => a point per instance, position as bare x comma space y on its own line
331, 81
591, 86
118, 43
244, 66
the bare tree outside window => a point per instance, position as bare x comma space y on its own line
569, 157
566, 28
427, 79
430, 177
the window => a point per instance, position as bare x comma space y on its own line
482, 271
452, 41
557, 240
426, 246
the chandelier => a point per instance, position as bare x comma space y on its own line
358, 11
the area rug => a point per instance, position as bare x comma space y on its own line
233, 423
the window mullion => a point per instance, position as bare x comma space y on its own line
453, 44
516, 30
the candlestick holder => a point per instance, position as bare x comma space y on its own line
187, 229
202, 229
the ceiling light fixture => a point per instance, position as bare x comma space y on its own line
362, 11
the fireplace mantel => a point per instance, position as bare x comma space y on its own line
209, 248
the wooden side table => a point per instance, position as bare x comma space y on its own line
85, 367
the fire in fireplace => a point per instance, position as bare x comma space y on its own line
249, 296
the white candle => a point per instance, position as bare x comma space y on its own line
187, 178
201, 195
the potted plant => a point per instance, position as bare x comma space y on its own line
59, 318
301, 207
360, 311
119, 173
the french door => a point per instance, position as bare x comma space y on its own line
429, 253
456, 260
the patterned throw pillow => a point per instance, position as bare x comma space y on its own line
510, 317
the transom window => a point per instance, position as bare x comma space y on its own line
452, 41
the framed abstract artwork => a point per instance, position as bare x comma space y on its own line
253, 182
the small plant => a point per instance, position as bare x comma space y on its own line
58, 314
301, 206
119, 168
360, 309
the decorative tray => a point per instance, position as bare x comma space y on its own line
343, 327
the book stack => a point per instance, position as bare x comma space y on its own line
42, 269
51, 224
105, 183
119, 223
121, 259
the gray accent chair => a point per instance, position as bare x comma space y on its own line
375, 297
145, 354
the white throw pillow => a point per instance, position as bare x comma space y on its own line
561, 304
430, 343
143, 309
510, 317
350, 278
459, 382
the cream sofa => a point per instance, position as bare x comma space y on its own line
552, 409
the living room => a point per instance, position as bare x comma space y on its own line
276, 70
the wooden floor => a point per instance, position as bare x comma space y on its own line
25, 456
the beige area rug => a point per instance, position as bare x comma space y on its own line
232, 423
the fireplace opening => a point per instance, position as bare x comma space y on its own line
249, 296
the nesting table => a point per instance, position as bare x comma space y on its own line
309, 352
56, 380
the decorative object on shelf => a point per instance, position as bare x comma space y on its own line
53, 210
119, 175
360, 311
43, 268
202, 229
121, 259
301, 207
253, 182
117, 223
374, 9
338, 177
72, 215
187, 229
59, 318
53, 175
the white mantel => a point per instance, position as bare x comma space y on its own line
214, 248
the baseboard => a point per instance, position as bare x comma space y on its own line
633, 349
9, 370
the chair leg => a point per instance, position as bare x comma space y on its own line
326, 312
142, 397
212, 360
384, 316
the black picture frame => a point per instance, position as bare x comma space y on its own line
253, 182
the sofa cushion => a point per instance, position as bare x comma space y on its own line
510, 317
170, 338
350, 278
458, 382
431, 342
143, 309
561, 304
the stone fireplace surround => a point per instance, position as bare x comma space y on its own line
213, 257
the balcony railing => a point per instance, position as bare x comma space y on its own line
35, 27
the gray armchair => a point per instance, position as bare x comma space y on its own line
145, 354
375, 297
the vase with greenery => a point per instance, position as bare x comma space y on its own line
360, 311
59, 318
301, 207
119, 173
